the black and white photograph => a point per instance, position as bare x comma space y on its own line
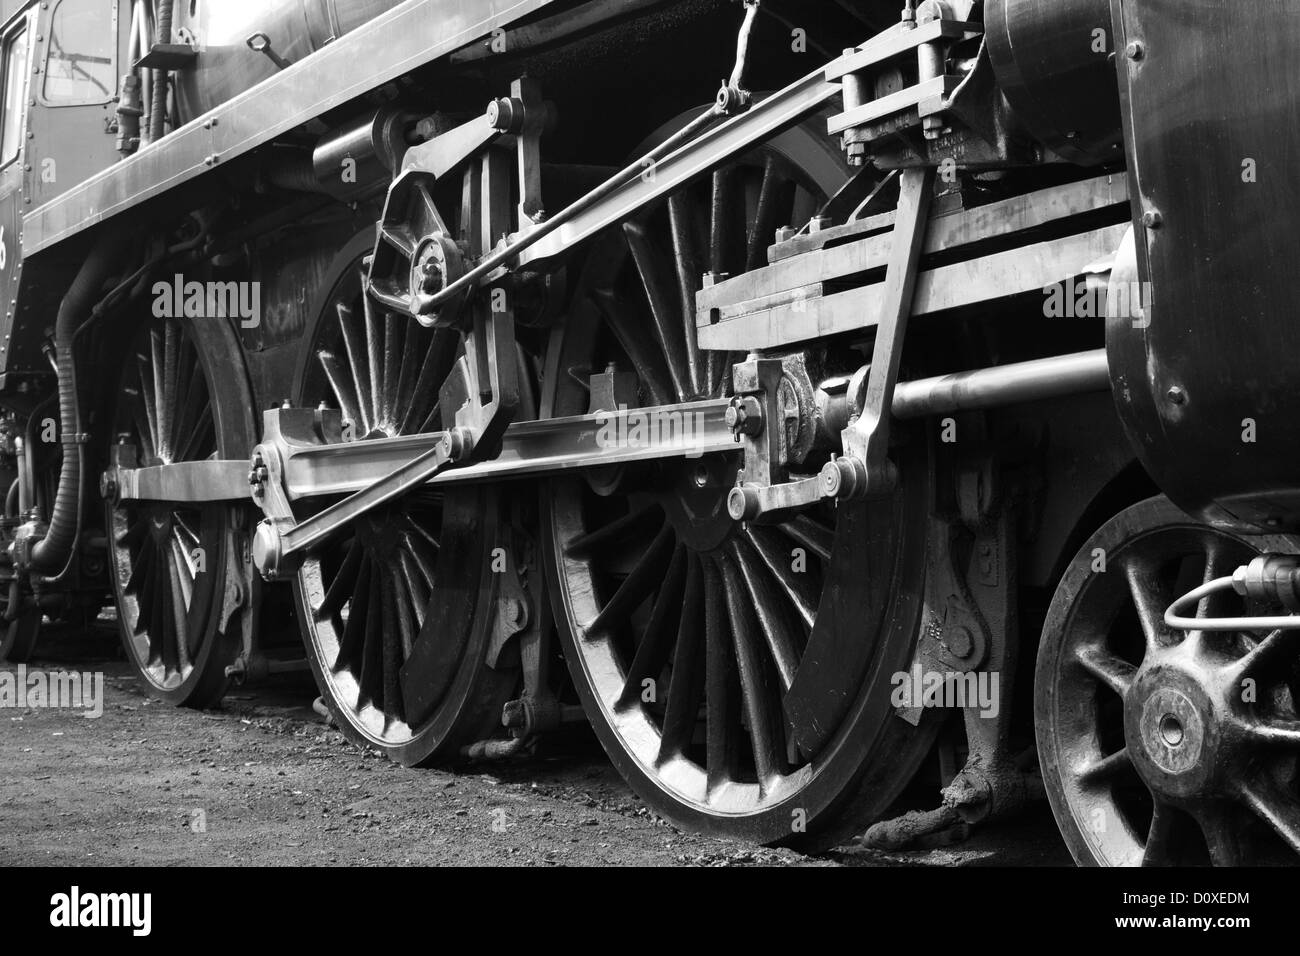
857, 440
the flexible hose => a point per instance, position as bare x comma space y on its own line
52, 552
1174, 619
163, 34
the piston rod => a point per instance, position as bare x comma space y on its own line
1012, 384
558, 445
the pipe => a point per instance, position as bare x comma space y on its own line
158, 115
141, 43
24, 457
1018, 382
52, 552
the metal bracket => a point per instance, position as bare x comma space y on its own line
864, 469
416, 259
489, 376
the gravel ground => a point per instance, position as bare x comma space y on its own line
263, 781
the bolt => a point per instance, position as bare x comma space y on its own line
744, 416
1177, 395
1152, 219
818, 223
1135, 50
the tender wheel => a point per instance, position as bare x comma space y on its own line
177, 573
1159, 746
737, 676
397, 614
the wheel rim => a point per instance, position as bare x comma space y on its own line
730, 627
1160, 747
396, 613
171, 561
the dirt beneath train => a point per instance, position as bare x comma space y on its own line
263, 781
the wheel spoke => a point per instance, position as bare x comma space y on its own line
407, 622
640, 522
810, 534
147, 396
1162, 842
159, 649
140, 419
133, 535
177, 601
1103, 770
391, 641
1275, 734
775, 196
419, 582
201, 437
1276, 650
1151, 596
183, 559
1219, 563
167, 409
344, 394
357, 364
370, 677
757, 692
161, 400
685, 686
722, 710
374, 360
438, 361
141, 566
664, 306
792, 583
414, 348
690, 269
343, 586
639, 584
639, 346
1114, 672
191, 390
652, 651
1223, 826
354, 630
393, 347
720, 217
1280, 811
772, 619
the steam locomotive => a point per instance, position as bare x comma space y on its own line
911, 410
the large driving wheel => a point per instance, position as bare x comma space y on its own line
737, 676
1158, 746
397, 612
178, 577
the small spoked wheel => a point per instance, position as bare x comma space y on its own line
396, 612
1159, 746
182, 396
737, 676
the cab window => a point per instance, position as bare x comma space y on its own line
80, 64
15, 91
